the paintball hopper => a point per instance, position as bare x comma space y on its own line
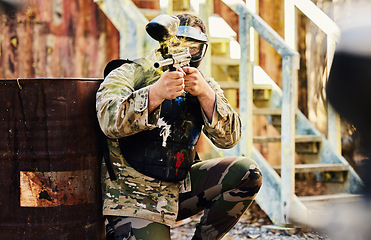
163, 27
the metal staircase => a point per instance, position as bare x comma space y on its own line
259, 95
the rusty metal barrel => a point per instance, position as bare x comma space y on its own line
50, 160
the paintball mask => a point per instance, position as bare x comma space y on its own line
164, 28
195, 40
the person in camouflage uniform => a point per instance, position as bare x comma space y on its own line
138, 206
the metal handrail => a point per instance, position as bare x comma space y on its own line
290, 65
332, 31
314, 13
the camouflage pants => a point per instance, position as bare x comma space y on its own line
224, 188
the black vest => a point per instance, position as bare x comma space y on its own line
168, 151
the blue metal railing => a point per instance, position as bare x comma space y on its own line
290, 64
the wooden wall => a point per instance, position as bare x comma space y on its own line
58, 38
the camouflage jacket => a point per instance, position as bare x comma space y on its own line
121, 104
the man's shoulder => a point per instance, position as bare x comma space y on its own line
141, 62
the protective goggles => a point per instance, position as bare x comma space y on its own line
196, 42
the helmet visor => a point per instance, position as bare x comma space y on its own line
191, 33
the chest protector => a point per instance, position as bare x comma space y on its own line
168, 151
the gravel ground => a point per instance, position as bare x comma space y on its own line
244, 230
254, 224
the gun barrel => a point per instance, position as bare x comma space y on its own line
163, 63
182, 59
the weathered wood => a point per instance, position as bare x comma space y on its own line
147, 4
267, 111
236, 85
319, 167
272, 13
298, 139
226, 13
302, 72
60, 38
217, 60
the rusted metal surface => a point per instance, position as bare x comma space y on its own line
59, 38
49, 160
50, 189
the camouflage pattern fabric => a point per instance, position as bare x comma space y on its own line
122, 101
134, 194
127, 228
224, 188
122, 110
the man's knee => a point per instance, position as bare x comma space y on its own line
244, 176
252, 170
252, 181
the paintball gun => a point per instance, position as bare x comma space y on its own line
163, 28
175, 61
167, 31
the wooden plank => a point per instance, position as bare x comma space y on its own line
318, 167
307, 147
219, 40
307, 138
262, 95
323, 202
267, 111
298, 138
266, 139
236, 85
229, 85
218, 60
340, 197
262, 86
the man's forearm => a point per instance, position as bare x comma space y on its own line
207, 102
153, 100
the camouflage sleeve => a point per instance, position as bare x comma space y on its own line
225, 128
122, 110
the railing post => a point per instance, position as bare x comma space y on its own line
290, 24
246, 85
289, 105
